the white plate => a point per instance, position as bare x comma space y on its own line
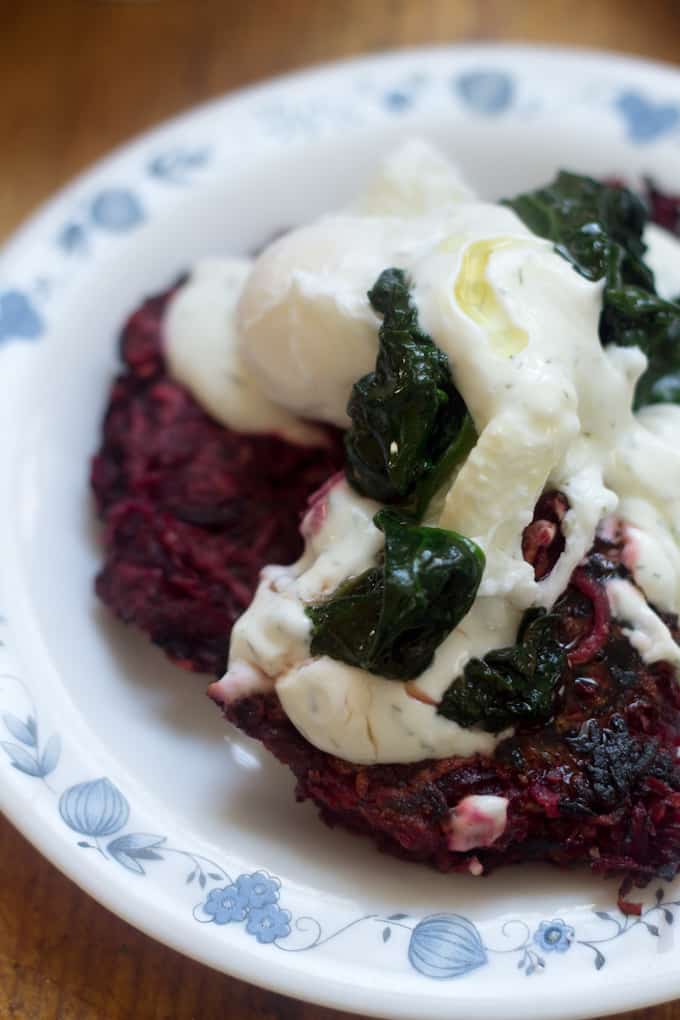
123, 773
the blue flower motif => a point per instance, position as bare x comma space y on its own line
398, 100
18, 317
446, 946
268, 923
258, 890
225, 905
94, 809
644, 119
116, 209
487, 92
554, 936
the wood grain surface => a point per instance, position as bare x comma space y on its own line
77, 78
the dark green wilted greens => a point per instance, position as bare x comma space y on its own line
633, 316
596, 227
509, 685
407, 414
599, 230
454, 455
391, 619
410, 429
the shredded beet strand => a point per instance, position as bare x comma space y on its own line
593, 590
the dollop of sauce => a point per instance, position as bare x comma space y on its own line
202, 351
552, 409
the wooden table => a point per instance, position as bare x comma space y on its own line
78, 77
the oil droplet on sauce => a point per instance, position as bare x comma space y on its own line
477, 298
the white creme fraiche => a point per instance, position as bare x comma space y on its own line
552, 409
201, 347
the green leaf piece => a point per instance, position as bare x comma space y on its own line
510, 685
390, 619
407, 413
599, 230
631, 317
596, 227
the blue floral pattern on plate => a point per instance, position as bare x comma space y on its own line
112, 210
94, 809
488, 92
18, 317
439, 947
645, 120
446, 946
225, 905
554, 936
116, 209
72, 238
177, 166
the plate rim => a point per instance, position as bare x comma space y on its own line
248, 966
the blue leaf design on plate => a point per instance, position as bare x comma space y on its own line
20, 730
21, 759
174, 166
18, 317
135, 842
94, 809
129, 850
72, 237
131, 863
645, 120
49, 759
117, 209
446, 946
487, 92
398, 100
